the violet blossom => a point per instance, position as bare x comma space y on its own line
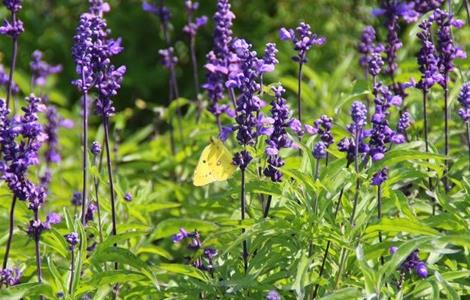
278, 139
219, 59
41, 69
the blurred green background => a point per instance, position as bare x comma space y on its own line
50, 26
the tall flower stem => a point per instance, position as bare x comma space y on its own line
96, 184
299, 91
242, 211
38, 250
267, 206
10, 232
192, 47
110, 178
72, 269
426, 138
446, 133
468, 143
85, 152
379, 215
356, 168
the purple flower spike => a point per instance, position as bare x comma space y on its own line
52, 219
95, 148
181, 235
446, 48
424, 6
278, 139
210, 252
380, 177
303, 40
427, 58
72, 239
10, 277
320, 150
464, 100
273, 295
128, 197
421, 270
41, 70
220, 58
242, 159
91, 210
77, 199
169, 60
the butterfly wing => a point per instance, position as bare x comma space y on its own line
221, 163
215, 164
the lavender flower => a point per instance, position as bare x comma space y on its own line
249, 118
77, 199
41, 69
72, 239
404, 123
367, 48
90, 212
412, 262
322, 127
393, 11
13, 5
303, 40
10, 277
181, 235
95, 148
278, 139
218, 60
375, 64
348, 145
169, 60
446, 48
464, 100
424, 6
18, 156
273, 295
161, 11
427, 58
380, 177
382, 134
193, 26
52, 219
13, 29
128, 197
37, 227
195, 244
210, 252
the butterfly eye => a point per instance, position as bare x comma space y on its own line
203, 161
219, 162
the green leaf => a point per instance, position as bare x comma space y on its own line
183, 270
116, 276
301, 277
396, 156
401, 225
346, 293
31, 290
119, 255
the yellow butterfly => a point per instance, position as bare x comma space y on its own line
215, 164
